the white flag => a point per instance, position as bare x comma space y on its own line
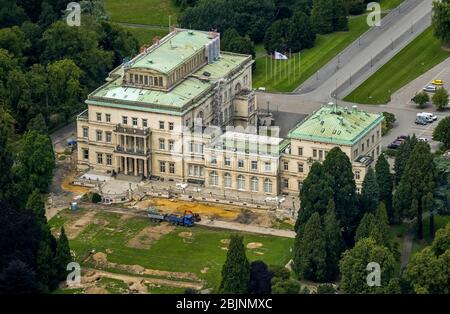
280, 56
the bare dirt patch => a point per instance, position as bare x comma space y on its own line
222, 211
254, 245
149, 235
185, 234
74, 229
204, 270
96, 290
101, 260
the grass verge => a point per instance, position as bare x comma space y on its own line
419, 56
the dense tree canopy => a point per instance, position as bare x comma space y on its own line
418, 179
385, 184
233, 42
354, 271
429, 271
441, 20
442, 132
338, 165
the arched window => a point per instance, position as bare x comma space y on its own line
268, 186
213, 179
240, 182
227, 180
254, 184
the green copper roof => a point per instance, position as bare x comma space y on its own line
336, 125
178, 98
173, 50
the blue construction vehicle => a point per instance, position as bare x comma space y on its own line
187, 219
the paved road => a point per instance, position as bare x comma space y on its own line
246, 228
400, 105
371, 51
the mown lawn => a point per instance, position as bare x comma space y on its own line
304, 64
151, 12
145, 36
415, 59
289, 74
171, 252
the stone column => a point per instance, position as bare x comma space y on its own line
145, 168
125, 161
135, 163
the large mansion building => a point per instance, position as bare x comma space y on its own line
184, 111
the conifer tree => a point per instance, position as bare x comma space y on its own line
62, 255
370, 191
385, 184
236, 270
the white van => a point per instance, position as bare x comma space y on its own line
429, 115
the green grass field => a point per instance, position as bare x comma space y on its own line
151, 12
418, 57
306, 63
145, 36
109, 233
303, 65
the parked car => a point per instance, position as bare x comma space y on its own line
430, 116
394, 145
421, 121
423, 139
437, 82
430, 88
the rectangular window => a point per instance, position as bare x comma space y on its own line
136, 78
300, 151
314, 153
213, 160
146, 80
228, 161
171, 167
285, 183
162, 166
124, 120
109, 159
373, 139
108, 117
161, 125
144, 123
171, 145
286, 165
378, 150
108, 137
99, 158
254, 165
362, 147
86, 154
300, 167
99, 116
131, 78
195, 170
171, 126
160, 81
320, 154
86, 132
134, 121
150, 80
378, 134
355, 153
141, 79
162, 144
240, 163
368, 143
99, 135
267, 166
